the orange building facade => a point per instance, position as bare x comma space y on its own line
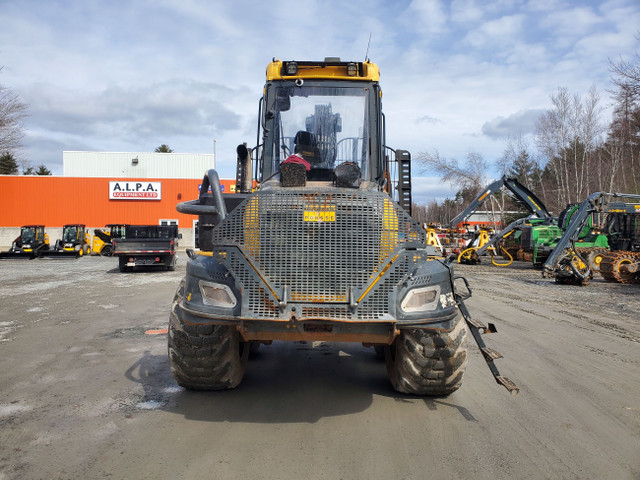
56, 201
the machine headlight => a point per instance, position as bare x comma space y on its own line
292, 68
421, 299
217, 294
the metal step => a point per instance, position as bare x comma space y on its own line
508, 384
490, 354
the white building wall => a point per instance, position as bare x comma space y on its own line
136, 164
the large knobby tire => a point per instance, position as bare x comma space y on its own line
204, 357
428, 362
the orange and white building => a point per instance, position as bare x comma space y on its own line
99, 188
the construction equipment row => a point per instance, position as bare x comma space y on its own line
134, 245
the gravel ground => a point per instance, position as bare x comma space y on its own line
86, 391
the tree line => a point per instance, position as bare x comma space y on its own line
574, 153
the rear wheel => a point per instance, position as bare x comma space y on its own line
204, 357
428, 362
106, 251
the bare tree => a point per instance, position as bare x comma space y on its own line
469, 178
626, 74
622, 147
567, 135
12, 111
471, 175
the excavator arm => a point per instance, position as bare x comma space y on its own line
528, 198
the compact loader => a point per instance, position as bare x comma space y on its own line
103, 238
319, 245
75, 243
31, 243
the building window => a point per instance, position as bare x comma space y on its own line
164, 223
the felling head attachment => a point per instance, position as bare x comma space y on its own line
347, 174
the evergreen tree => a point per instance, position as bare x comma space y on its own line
43, 170
8, 164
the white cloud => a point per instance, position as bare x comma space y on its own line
427, 16
572, 22
131, 76
496, 31
522, 122
466, 11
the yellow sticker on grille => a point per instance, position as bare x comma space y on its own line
319, 216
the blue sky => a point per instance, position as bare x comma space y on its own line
457, 76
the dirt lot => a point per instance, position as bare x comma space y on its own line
86, 392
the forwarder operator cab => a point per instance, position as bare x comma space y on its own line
328, 113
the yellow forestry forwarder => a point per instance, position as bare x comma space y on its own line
323, 249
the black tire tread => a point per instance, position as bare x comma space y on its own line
204, 357
428, 362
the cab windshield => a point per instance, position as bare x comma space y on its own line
326, 126
28, 235
69, 234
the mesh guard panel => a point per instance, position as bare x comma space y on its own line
320, 245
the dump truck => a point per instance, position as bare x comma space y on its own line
318, 244
31, 243
75, 243
146, 245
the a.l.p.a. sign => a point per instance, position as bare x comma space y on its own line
135, 190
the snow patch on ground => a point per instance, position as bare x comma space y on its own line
5, 329
7, 410
150, 405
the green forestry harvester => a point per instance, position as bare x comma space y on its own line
621, 228
319, 245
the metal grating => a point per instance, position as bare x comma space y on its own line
319, 245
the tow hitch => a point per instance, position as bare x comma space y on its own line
477, 329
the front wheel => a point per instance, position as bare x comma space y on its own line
428, 362
204, 357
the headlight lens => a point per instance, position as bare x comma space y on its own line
217, 294
421, 299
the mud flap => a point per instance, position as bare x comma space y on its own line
477, 329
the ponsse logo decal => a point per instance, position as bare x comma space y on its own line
125, 190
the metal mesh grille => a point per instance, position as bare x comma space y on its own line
319, 245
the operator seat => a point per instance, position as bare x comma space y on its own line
305, 144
